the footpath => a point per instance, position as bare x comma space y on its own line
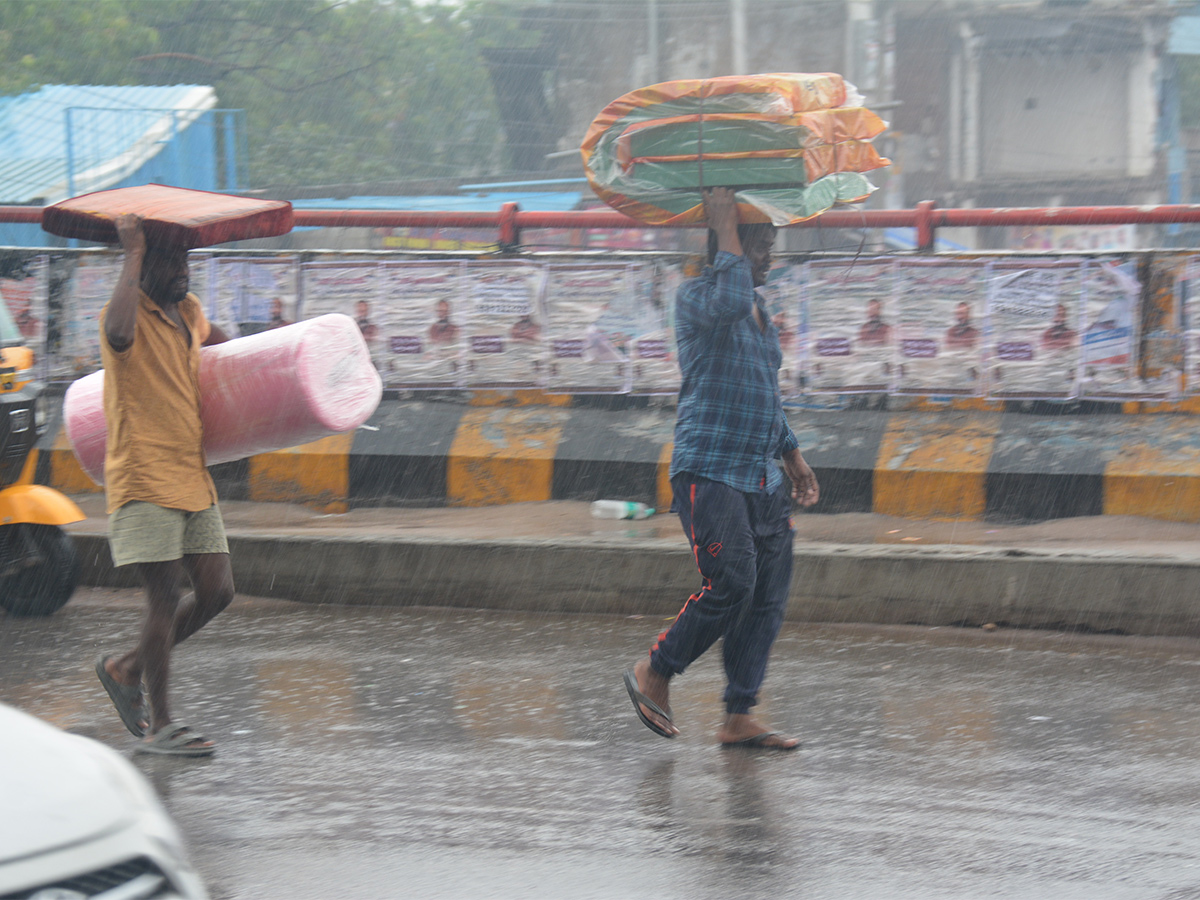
1112, 573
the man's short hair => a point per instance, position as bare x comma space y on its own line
746, 232
157, 254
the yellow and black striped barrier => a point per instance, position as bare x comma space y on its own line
950, 463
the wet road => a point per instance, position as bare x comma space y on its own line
379, 753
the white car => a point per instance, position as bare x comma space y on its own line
77, 821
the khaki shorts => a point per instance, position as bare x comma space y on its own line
142, 532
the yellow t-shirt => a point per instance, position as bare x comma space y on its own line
152, 407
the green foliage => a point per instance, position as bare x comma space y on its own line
333, 92
68, 41
1189, 90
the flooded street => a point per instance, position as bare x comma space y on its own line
377, 753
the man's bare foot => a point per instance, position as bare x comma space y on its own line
657, 690
743, 730
112, 665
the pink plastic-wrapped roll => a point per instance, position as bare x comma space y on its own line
265, 392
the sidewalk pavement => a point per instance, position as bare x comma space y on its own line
1115, 574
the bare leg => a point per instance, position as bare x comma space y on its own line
170, 621
212, 583
150, 659
212, 580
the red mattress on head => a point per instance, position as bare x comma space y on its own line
171, 216
266, 392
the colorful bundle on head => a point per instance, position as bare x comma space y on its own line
791, 145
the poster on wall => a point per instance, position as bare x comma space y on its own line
200, 280
848, 342
589, 322
503, 344
1187, 290
423, 318
24, 292
253, 294
349, 288
1111, 295
939, 335
91, 287
653, 360
1034, 307
781, 297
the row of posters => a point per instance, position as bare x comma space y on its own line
1002, 327
1006, 328
569, 327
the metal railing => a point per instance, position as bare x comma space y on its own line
510, 220
99, 150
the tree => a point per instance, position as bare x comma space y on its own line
69, 41
333, 92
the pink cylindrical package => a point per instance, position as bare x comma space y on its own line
272, 390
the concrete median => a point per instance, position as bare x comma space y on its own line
557, 559
963, 464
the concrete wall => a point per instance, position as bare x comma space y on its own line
1029, 104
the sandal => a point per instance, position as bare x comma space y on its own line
176, 740
768, 740
129, 699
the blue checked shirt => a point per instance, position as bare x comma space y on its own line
731, 425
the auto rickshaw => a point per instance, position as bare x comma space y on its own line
39, 568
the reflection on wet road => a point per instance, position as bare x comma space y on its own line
377, 753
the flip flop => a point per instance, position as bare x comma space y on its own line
762, 742
173, 741
639, 700
129, 699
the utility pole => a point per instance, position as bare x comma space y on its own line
652, 40
737, 15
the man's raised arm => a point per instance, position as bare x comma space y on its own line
121, 317
729, 292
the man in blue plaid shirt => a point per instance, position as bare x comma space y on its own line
733, 501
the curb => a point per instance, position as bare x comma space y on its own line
833, 583
951, 464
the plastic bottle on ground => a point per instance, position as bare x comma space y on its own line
620, 509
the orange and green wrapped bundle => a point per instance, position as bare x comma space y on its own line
792, 145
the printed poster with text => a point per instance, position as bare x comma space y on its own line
848, 337
253, 294
91, 287
1111, 296
24, 291
504, 341
939, 304
781, 297
654, 365
1034, 308
1188, 290
349, 289
200, 279
423, 318
589, 323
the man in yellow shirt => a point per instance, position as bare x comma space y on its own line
162, 503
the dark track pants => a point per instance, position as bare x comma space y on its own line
743, 547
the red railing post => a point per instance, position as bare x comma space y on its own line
925, 227
510, 231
